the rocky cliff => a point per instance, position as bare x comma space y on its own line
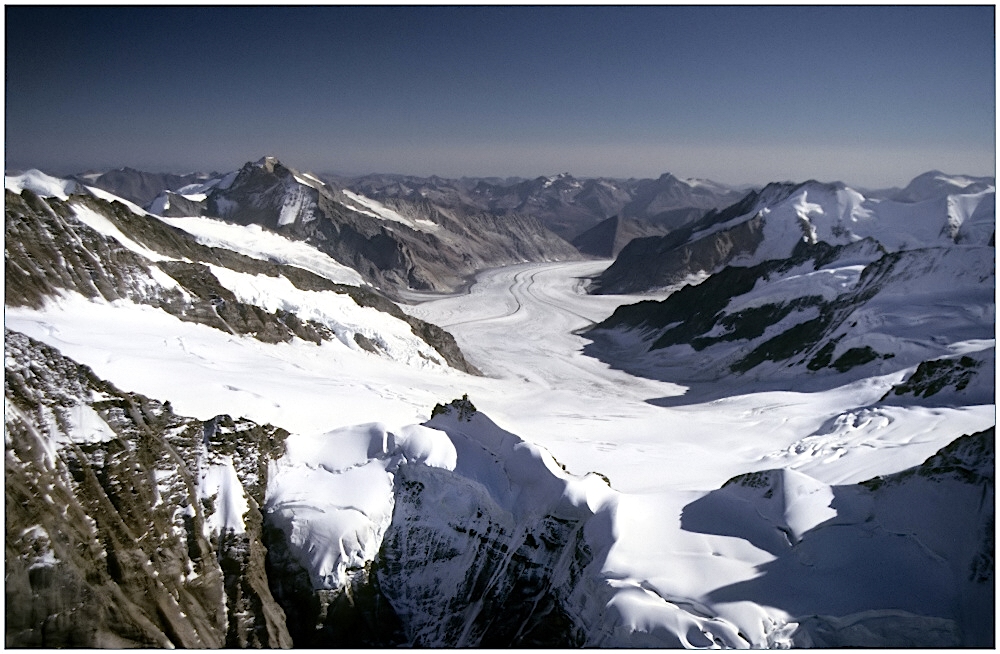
112, 536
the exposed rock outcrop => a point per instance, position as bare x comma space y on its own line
108, 541
825, 308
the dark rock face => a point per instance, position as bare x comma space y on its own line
808, 330
654, 262
657, 262
106, 543
608, 238
47, 249
358, 615
178, 205
931, 377
479, 580
696, 314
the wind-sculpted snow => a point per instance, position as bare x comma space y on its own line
399, 498
40, 183
934, 183
473, 537
903, 560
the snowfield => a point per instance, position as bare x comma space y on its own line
378, 210
660, 450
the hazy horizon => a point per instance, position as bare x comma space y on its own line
871, 96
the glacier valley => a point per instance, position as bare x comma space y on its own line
350, 482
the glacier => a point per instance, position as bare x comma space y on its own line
564, 500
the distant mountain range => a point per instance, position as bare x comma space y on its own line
395, 245
577, 210
566, 205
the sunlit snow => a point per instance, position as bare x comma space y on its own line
102, 225
255, 241
378, 210
40, 183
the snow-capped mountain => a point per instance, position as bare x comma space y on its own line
852, 310
562, 203
153, 528
817, 279
65, 250
769, 224
934, 184
141, 187
218, 433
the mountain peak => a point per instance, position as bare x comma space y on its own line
268, 163
935, 183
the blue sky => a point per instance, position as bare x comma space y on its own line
868, 95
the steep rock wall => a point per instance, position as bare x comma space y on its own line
107, 542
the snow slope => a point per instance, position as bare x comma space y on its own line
801, 323
378, 210
836, 214
256, 242
588, 416
770, 224
40, 183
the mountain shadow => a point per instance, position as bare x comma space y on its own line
906, 560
